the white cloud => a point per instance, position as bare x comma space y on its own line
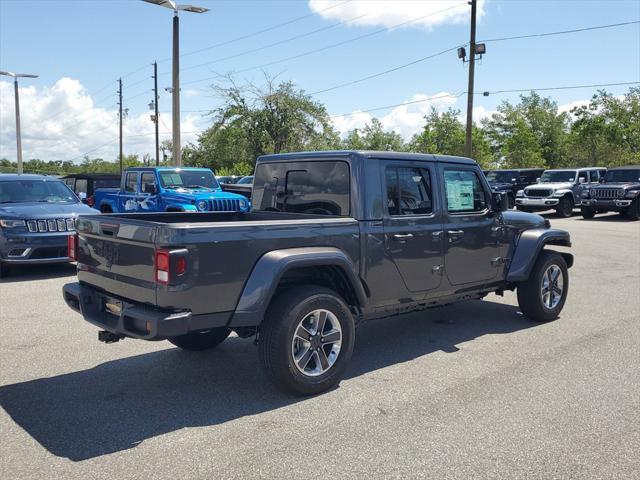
406, 120
567, 107
389, 13
63, 122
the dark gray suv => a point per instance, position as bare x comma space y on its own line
37, 214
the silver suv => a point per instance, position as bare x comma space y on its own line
559, 190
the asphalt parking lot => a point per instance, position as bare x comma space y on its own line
472, 390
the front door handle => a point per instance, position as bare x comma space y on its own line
402, 236
455, 234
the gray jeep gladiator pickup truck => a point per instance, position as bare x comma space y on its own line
333, 239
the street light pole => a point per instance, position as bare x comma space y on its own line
155, 107
175, 90
17, 105
472, 65
175, 85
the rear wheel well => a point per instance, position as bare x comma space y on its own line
106, 208
328, 276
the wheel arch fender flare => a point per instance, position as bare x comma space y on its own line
270, 268
530, 244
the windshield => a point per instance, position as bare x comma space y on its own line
24, 191
502, 176
245, 180
188, 179
557, 176
622, 176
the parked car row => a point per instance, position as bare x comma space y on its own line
593, 190
38, 212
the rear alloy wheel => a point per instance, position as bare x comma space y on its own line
201, 340
565, 207
306, 340
587, 212
542, 296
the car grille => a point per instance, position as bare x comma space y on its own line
51, 225
225, 205
538, 192
606, 192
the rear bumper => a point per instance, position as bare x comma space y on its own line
136, 320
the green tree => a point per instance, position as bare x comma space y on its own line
532, 133
444, 134
373, 137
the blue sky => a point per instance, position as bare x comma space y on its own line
93, 43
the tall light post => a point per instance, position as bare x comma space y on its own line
17, 102
175, 88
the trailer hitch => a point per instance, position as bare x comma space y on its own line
108, 337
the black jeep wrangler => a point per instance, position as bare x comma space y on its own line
619, 191
508, 182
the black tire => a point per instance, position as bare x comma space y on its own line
565, 207
4, 270
511, 202
587, 212
277, 336
530, 291
633, 211
198, 341
105, 209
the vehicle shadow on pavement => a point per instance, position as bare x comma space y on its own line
117, 405
26, 273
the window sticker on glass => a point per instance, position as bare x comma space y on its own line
460, 195
174, 179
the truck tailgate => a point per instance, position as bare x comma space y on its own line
126, 272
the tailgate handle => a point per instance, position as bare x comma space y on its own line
108, 229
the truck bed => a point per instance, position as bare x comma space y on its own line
116, 252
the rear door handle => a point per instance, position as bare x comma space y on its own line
402, 236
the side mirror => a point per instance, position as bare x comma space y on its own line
538, 180
582, 180
601, 180
82, 196
498, 200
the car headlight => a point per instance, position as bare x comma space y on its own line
12, 223
202, 205
557, 194
520, 193
243, 204
632, 193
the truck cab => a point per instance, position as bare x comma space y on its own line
168, 189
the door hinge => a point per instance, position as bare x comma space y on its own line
496, 262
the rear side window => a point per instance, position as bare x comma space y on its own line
131, 181
320, 187
408, 191
81, 185
464, 191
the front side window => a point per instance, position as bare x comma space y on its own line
464, 191
408, 191
583, 176
148, 182
314, 187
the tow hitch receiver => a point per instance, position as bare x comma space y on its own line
108, 337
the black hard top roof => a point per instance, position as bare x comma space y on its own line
516, 170
369, 154
626, 167
92, 175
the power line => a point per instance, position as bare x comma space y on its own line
562, 32
422, 100
570, 87
264, 47
334, 45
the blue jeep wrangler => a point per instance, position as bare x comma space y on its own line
168, 189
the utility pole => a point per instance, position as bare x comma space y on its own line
155, 102
177, 152
472, 64
17, 105
120, 115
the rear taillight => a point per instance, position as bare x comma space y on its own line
169, 265
72, 247
163, 266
